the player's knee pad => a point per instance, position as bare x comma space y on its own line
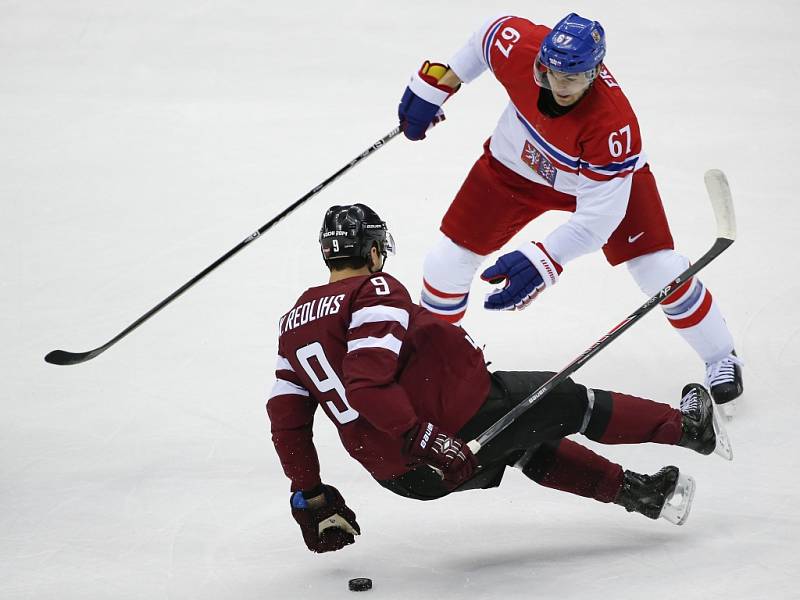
653, 271
562, 409
447, 276
598, 414
575, 402
557, 414
450, 267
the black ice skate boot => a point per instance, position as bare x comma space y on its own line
703, 429
724, 379
666, 494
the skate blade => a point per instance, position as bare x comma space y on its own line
728, 410
723, 447
676, 508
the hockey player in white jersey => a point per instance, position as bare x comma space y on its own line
568, 140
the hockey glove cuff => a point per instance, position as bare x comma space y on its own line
420, 106
325, 520
526, 273
446, 454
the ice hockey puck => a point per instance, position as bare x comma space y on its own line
360, 584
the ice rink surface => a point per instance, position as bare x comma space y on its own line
139, 141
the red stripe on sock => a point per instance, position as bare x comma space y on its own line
436, 292
682, 290
696, 316
449, 318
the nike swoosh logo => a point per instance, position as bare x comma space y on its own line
633, 238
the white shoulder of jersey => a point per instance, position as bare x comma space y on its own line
471, 59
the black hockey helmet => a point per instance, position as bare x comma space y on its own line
350, 231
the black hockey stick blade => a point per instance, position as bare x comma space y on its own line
62, 357
722, 204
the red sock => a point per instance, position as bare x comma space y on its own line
623, 419
573, 468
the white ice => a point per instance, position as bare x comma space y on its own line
139, 141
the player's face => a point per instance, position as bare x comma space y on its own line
567, 88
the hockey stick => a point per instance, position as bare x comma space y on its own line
62, 357
722, 204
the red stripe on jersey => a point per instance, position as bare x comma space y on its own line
696, 316
562, 167
436, 292
594, 176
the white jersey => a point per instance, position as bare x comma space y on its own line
589, 153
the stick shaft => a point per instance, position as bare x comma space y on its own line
62, 357
722, 204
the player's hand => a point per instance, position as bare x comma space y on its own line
325, 520
445, 453
526, 272
420, 107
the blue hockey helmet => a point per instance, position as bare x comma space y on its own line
575, 45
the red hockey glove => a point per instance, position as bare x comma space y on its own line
325, 520
420, 106
526, 273
447, 454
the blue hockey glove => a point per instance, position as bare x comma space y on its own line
420, 107
526, 272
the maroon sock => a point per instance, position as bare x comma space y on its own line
573, 468
623, 419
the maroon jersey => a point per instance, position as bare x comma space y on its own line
377, 364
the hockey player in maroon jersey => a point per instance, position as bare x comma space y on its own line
405, 390
568, 140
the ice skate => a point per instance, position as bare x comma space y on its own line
667, 494
703, 427
724, 379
